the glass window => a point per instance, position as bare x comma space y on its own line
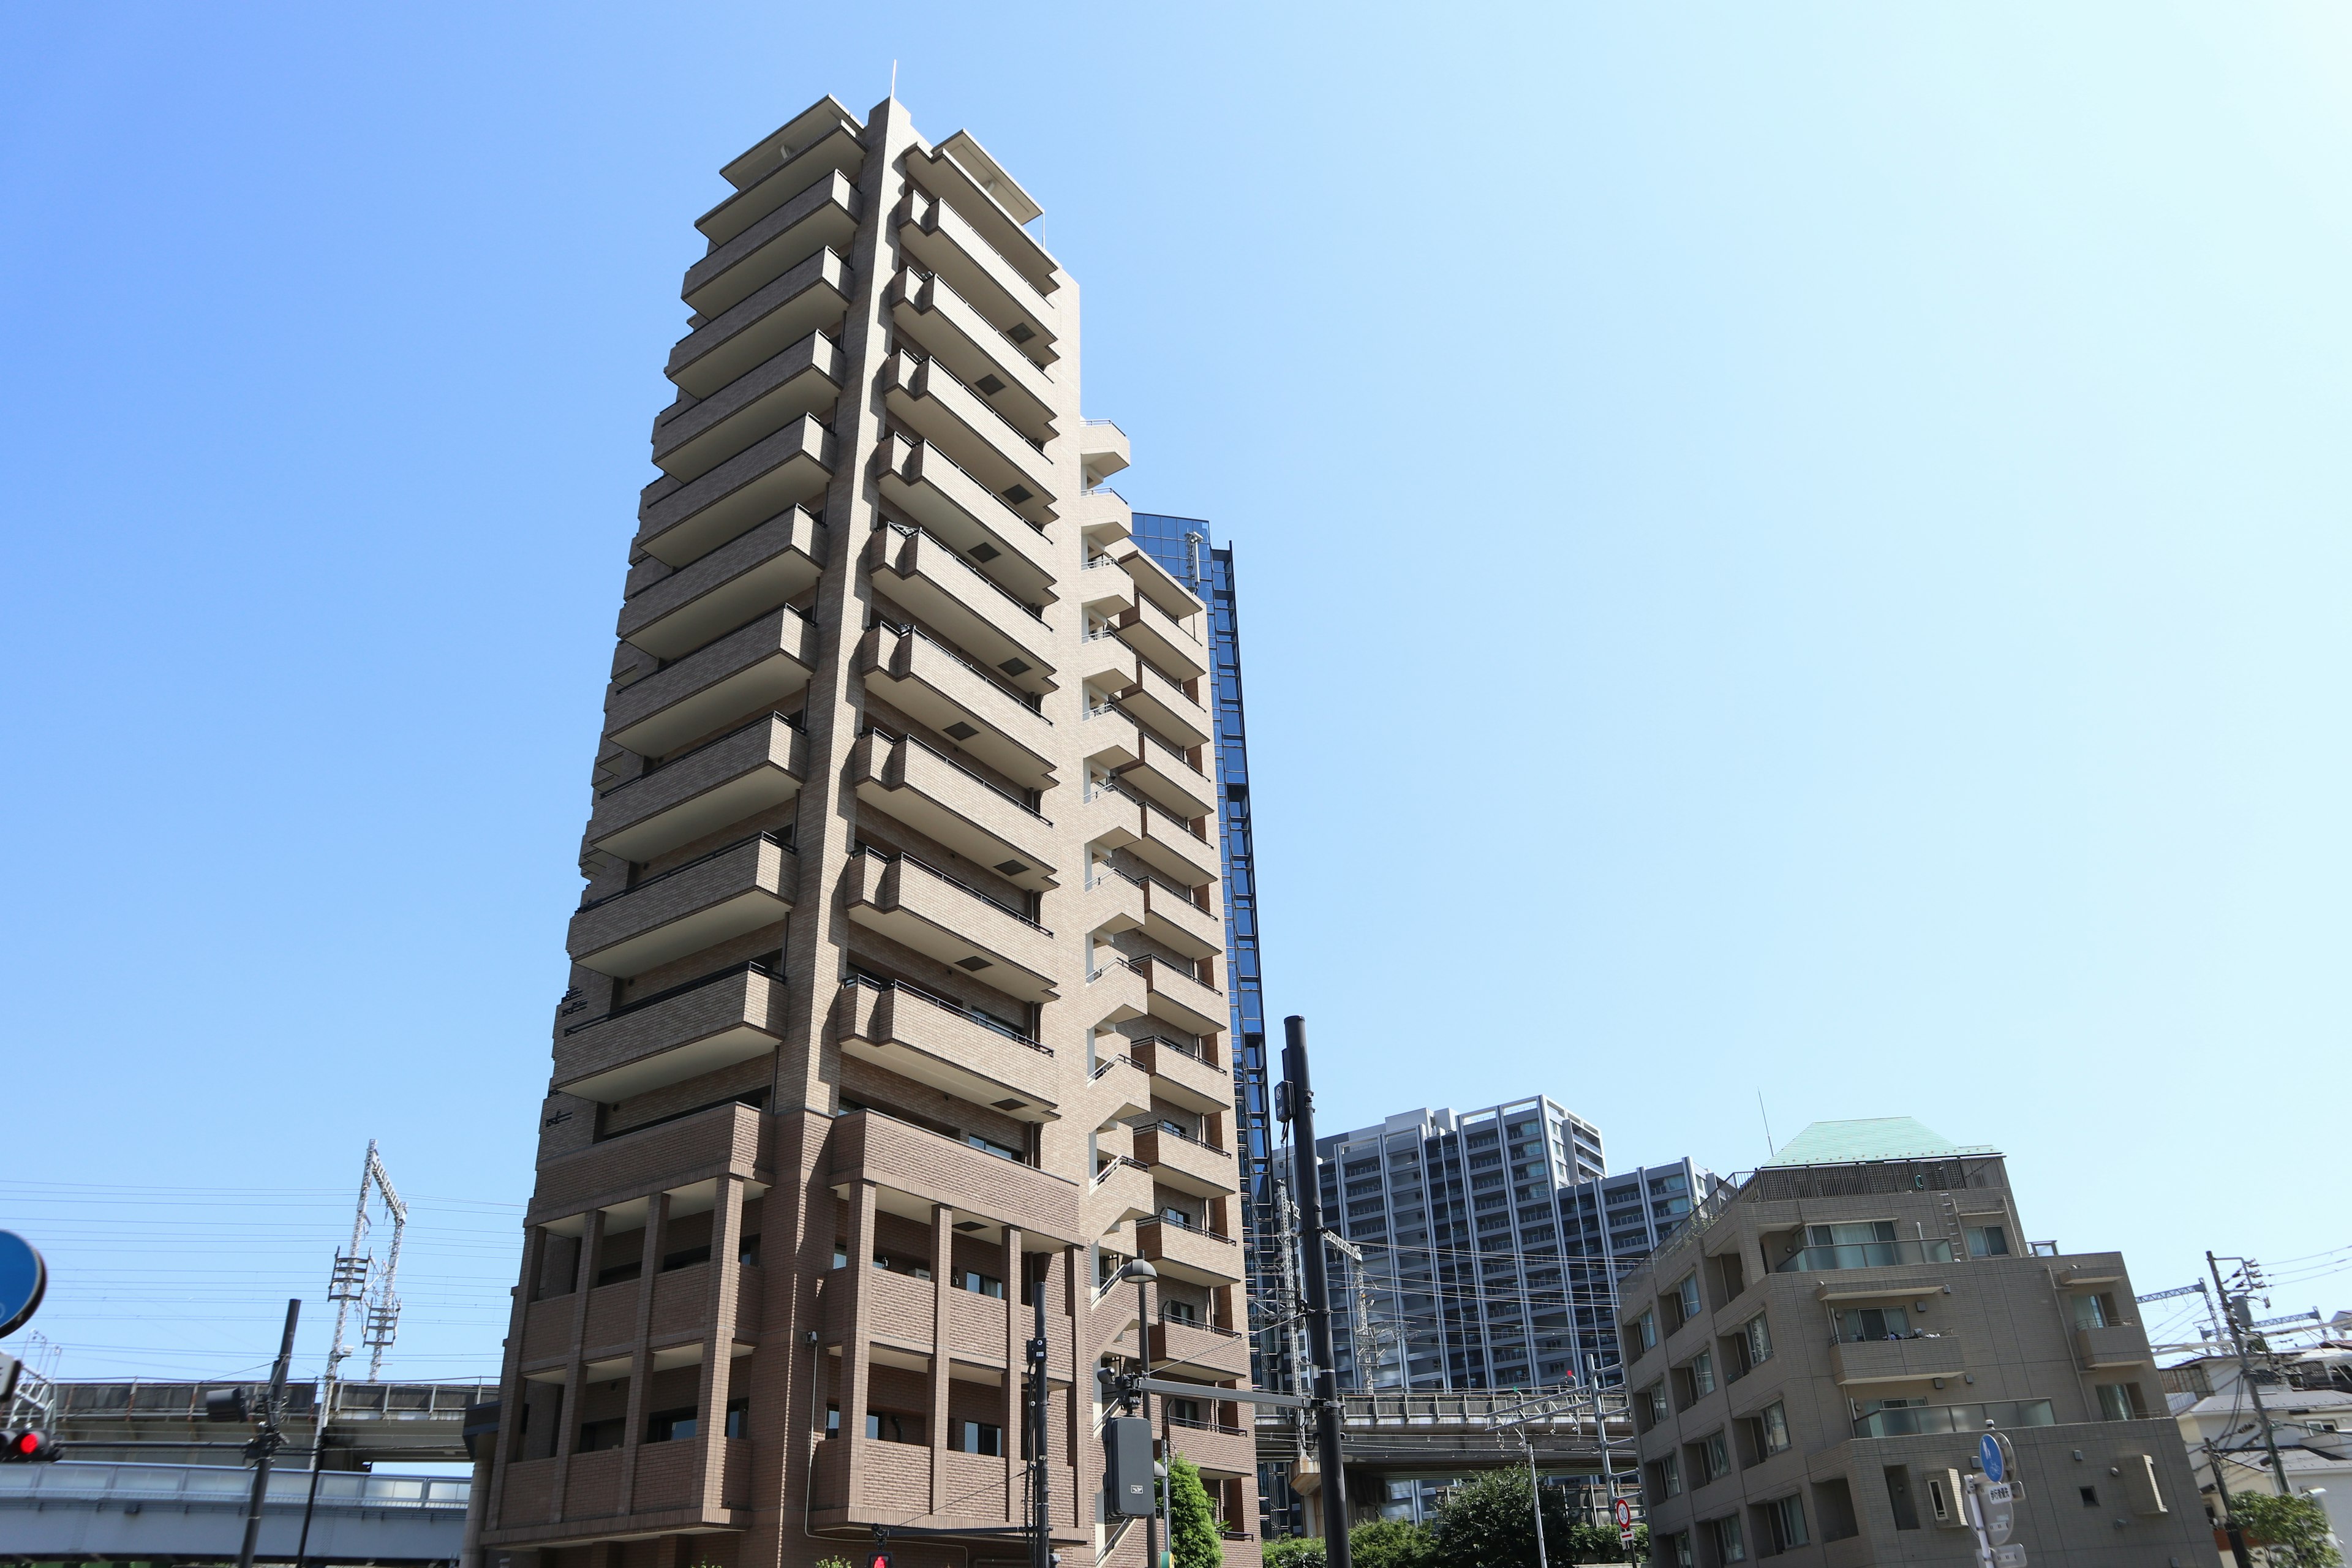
990, 1146
979, 1438
1730, 1543
1988, 1241
1679, 1549
1772, 1428
1702, 1370
1786, 1516
1758, 1340
1687, 1300
2119, 1402
978, 1284
1718, 1454
1645, 1329
1857, 1323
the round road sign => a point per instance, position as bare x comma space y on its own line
1988, 1457
23, 1279
1624, 1513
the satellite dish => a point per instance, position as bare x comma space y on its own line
23, 1279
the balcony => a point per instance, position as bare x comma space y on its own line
1187, 1164
947, 501
1109, 739
1117, 1088
805, 379
1161, 587
1188, 1253
1103, 517
1184, 1002
717, 1140
955, 1049
801, 151
1915, 1420
925, 909
903, 778
1864, 1255
706, 901
1102, 451
1114, 992
672, 1036
1897, 1360
680, 523
755, 667
1167, 777
1197, 1348
2114, 1344
672, 616
925, 575
1103, 588
1163, 640
812, 296
946, 243
1174, 849
823, 216
1111, 903
1171, 918
991, 201
1167, 707
946, 325
946, 413
1121, 1192
1222, 1450
701, 790
1182, 1077
869, 1146
956, 697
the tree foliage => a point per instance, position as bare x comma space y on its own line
2292, 1531
1390, 1544
1490, 1523
1193, 1540
1297, 1552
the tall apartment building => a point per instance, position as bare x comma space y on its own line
1490, 1240
1815, 1355
897, 992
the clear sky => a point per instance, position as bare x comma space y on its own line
1787, 550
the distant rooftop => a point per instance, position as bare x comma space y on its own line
1873, 1138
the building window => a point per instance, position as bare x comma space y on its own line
599, 1435
1772, 1430
1654, 1403
2121, 1401
888, 1427
1859, 1323
978, 1438
1677, 1551
990, 1146
1988, 1241
1685, 1301
1755, 1343
671, 1425
1645, 1329
1785, 1518
1714, 1459
2097, 1311
978, 1284
739, 1418
1730, 1543
1666, 1479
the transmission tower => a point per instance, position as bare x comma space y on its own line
357, 1282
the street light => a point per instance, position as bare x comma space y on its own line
1140, 1269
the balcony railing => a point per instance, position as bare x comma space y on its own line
781, 840
1864, 1255
939, 369
947, 1005
962, 887
1913, 1420
1029, 700
911, 529
892, 738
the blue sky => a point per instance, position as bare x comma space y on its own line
1793, 549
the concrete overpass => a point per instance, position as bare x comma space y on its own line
366, 1423
72, 1511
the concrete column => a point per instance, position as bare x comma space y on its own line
1074, 1424
856, 1337
490, 1475
1018, 1316
567, 1407
641, 1360
942, 1255
719, 1346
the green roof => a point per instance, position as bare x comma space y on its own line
1874, 1138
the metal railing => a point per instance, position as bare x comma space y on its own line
931, 448
936, 364
1864, 1255
1170, 1129
941, 756
1911, 1420
949, 1004
871, 852
1029, 700
1184, 1225
914, 530
780, 840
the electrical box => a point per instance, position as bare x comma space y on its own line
1127, 1487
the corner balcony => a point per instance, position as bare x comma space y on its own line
946, 413
870, 1146
672, 1036
923, 908
757, 667
813, 295
1199, 1349
1121, 1191
823, 216
924, 574
1108, 739
1110, 903
903, 778
831, 144
935, 316
723, 781
929, 681
1102, 587
1189, 1253
1167, 708
1117, 1089
680, 523
1162, 640
1184, 1002
1183, 1076
2116, 1345
1162, 587
1102, 451
1169, 778
1897, 1360
1864, 1255
957, 1051
805, 379
1175, 849
1221, 1449
687, 909
928, 485
946, 243
672, 616
1173, 920
1187, 1164
1115, 993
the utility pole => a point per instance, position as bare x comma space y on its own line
2230, 1314
1041, 1548
1296, 1106
267, 1441
2229, 1509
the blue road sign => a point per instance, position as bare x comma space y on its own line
23, 1279
1988, 1455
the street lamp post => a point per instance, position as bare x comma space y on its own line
1140, 1269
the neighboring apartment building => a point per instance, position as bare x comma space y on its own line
1814, 1356
2306, 1392
898, 996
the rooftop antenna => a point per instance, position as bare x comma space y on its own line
894, 81
1770, 1148
356, 1282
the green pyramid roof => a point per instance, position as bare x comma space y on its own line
1874, 1138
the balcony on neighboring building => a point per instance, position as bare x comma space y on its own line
1118, 1088
749, 769
680, 523
1101, 588
1186, 1164
758, 666
986, 716
1181, 1347
822, 215
1156, 583
921, 906
717, 1140
1220, 1448
1113, 903
673, 1035
991, 201
1913, 1420
941, 238
1183, 1076
1167, 777
904, 778
954, 1048
687, 909
1162, 640
811, 296
926, 483
930, 312
1189, 1253
1897, 1360
1181, 999
691, 438
671, 614
1121, 1192
946, 413
2112, 1344
925, 575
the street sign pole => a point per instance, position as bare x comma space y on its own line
1991, 1504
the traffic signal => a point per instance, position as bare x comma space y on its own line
877, 1560
30, 1446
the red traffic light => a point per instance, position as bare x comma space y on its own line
877, 1560
24, 1447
